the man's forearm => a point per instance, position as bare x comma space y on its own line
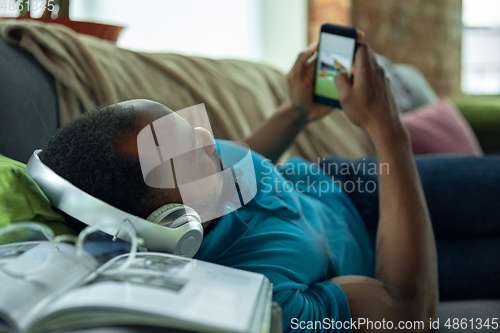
405, 247
278, 132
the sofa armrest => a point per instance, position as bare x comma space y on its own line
483, 114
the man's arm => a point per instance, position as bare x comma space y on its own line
405, 285
278, 132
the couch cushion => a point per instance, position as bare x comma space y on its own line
440, 128
22, 200
411, 89
238, 95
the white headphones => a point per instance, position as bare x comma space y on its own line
173, 228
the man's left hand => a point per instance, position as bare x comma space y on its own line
301, 86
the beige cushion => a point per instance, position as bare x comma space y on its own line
238, 95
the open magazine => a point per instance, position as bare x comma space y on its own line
157, 289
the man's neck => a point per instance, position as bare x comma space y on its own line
209, 225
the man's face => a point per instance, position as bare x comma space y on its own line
187, 154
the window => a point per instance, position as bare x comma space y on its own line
481, 47
272, 32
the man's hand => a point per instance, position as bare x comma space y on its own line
301, 86
278, 132
367, 99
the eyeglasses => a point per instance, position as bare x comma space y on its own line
28, 247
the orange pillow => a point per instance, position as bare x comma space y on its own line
440, 128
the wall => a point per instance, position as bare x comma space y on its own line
424, 33
331, 11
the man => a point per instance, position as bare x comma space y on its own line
314, 247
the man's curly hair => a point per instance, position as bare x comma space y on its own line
86, 153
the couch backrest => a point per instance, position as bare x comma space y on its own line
28, 103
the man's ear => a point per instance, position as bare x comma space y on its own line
205, 139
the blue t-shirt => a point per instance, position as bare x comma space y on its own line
299, 234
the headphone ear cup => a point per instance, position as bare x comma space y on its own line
173, 215
186, 222
160, 213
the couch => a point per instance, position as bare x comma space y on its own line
29, 115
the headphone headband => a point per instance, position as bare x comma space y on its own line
182, 240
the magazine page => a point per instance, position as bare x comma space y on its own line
161, 290
21, 296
